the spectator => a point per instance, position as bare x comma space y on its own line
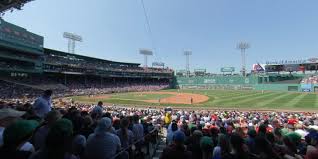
58, 142
7, 117
312, 149
206, 144
102, 143
87, 128
194, 144
291, 141
78, 145
125, 135
238, 149
41, 133
43, 104
16, 137
177, 149
168, 119
174, 127
222, 150
250, 141
278, 136
263, 148
262, 130
138, 131
98, 110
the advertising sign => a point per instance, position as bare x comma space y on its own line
227, 69
306, 87
158, 64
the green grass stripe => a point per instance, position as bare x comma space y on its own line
271, 100
281, 101
294, 101
217, 94
250, 102
316, 102
237, 94
307, 101
239, 98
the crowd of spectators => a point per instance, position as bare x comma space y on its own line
39, 128
13, 65
20, 89
241, 135
76, 130
13, 91
97, 64
313, 79
119, 88
43, 131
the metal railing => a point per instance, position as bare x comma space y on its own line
155, 130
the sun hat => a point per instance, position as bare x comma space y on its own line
103, 125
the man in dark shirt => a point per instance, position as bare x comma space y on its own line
176, 149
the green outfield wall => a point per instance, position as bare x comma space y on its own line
208, 80
235, 83
278, 87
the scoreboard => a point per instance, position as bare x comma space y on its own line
15, 37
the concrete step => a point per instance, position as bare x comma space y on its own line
161, 147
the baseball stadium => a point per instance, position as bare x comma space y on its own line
28, 68
57, 103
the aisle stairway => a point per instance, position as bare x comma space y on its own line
161, 144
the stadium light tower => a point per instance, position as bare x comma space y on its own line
145, 53
71, 41
187, 54
243, 46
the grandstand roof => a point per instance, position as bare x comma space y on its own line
19, 38
11, 4
46, 51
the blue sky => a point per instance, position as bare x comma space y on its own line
116, 29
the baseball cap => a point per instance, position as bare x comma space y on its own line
313, 135
294, 137
179, 136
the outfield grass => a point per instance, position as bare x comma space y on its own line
226, 99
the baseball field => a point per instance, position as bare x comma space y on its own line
214, 99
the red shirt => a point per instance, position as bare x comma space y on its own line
292, 121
